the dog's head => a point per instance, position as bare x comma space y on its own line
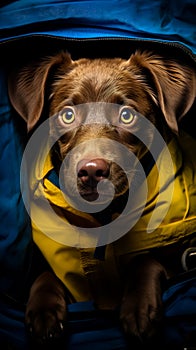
94, 101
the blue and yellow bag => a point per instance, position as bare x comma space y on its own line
93, 28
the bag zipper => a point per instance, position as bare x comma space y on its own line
161, 43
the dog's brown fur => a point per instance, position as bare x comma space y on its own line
162, 91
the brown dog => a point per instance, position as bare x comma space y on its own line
146, 85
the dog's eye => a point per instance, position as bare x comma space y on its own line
126, 115
67, 115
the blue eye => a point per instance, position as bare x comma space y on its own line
127, 115
67, 115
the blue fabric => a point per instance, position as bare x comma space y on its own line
157, 19
180, 312
92, 333
12, 330
15, 234
179, 321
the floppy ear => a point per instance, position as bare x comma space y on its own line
26, 87
173, 85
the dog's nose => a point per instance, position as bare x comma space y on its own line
93, 171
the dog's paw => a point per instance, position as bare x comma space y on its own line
46, 310
142, 308
44, 326
140, 319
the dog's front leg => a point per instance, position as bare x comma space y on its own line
46, 308
141, 308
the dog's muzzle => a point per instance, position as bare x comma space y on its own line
90, 173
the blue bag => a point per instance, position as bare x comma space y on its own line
179, 327
79, 25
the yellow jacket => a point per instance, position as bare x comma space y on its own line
89, 278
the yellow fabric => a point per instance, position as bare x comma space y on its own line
180, 220
87, 277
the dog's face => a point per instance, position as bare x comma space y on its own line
100, 104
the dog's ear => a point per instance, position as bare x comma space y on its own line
172, 85
27, 86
